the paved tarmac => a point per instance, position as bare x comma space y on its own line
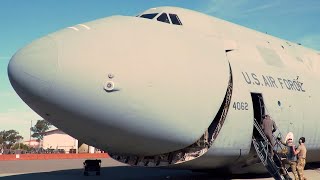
113, 170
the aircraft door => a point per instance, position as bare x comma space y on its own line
258, 106
258, 109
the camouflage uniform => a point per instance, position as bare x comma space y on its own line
291, 159
269, 126
302, 153
293, 166
300, 168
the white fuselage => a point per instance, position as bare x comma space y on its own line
150, 92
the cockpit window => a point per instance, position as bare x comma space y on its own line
149, 16
175, 19
163, 18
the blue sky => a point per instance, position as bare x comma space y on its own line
23, 21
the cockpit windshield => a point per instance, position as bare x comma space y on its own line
175, 19
149, 16
163, 17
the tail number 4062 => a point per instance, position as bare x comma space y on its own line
240, 105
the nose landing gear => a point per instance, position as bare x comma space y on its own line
92, 166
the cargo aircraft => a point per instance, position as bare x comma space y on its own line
171, 88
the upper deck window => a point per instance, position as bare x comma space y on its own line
149, 16
163, 18
175, 19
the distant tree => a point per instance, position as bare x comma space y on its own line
1, 137
1, 140
21, 146
10, 137
39, 128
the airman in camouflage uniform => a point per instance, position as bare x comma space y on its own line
290, 159
301, 151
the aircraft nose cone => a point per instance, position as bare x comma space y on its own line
32, 69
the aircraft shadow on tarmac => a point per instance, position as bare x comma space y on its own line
136, 173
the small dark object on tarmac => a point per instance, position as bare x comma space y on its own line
92, 166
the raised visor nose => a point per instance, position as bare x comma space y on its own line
32, 69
